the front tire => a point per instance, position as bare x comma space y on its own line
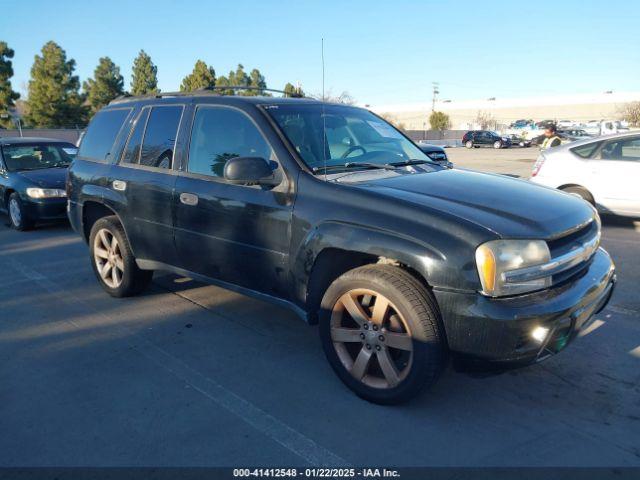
469, 144
497, 144
17, 213
113, 262
380, 330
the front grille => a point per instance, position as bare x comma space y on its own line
585, 240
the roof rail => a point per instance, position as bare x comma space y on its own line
254, 89
212, 90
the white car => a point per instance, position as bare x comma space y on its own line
604, 171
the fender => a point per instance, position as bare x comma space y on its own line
420, 256
109, 198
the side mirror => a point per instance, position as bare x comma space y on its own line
248, 171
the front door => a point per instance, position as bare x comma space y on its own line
238, 234
614, 174
146, 179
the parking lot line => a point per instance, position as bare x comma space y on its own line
283, 434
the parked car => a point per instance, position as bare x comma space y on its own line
485, 138
521, 142
435, 153
604, 171
331, 211
574, 134
32, 179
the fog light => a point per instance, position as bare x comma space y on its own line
539, 334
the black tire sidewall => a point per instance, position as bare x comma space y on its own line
428, 356
132, 282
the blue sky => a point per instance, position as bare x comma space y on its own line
381, 52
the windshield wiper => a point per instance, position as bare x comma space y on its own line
414, 162
348, 165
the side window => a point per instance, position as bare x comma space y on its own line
623, 149
102, 132
585, 151
132, 150
160, 135
219, 134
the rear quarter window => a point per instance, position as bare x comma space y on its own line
587, 150
101, 134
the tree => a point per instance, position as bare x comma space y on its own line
201, 77
224, 82
345, 97
106, 84
291, 91
239, 78
144, 77
393, 121
7, 95
439, 121
485, 120
54, 98
256, 80
631, 113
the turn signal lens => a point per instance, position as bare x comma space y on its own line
486, 267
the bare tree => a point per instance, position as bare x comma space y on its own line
486, 120
393, 120
344, 98
631, 113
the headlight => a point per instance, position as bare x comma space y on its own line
46, 193
497, 257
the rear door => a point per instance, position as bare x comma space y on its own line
235, 233
146, 178
614, 175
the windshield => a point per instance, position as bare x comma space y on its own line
37, 156
351, 136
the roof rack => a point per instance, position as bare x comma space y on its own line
212, 90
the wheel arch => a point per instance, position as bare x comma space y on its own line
7, 194
334, 249
92, 211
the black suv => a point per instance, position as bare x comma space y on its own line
333, 212
485, 138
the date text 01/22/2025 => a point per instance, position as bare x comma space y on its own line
316, 472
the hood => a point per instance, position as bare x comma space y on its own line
429, 147
46, 177
508, 207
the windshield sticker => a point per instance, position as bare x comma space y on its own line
385, 130
70, 151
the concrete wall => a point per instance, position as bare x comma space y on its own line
68, 134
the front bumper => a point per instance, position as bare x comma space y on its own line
46, 208
498, 330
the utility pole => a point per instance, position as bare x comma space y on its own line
435, 93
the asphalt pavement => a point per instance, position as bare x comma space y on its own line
193, 375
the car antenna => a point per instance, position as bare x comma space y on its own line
324, 120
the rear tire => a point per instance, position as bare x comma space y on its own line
580, 192
113, 261
393, 345
469, 144
17, 213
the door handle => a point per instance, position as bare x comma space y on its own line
119, 185
189, 199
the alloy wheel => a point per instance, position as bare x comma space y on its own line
371, 338
14, 212
108, 258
